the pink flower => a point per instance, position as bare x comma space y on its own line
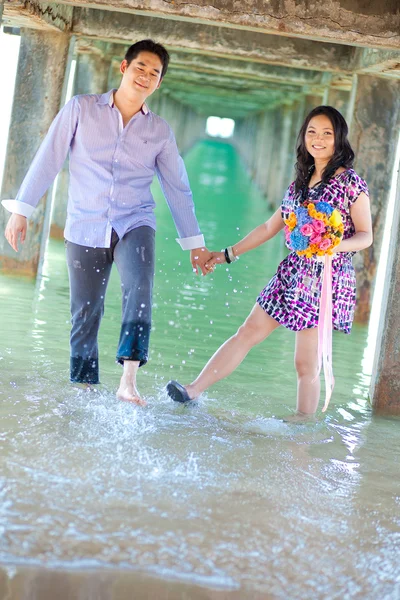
306, 229
315, 238
287, 233
318, 226
325, 244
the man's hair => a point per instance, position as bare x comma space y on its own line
148, 46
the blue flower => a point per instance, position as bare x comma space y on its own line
324, 207
302, 216
298, 241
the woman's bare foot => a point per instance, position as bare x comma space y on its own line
192, 392
128, 392
300, 417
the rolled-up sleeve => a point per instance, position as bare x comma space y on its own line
175, 185
47, 162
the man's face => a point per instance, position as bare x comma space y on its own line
143, 74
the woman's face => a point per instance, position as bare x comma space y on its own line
320, 138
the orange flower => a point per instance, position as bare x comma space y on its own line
291, 222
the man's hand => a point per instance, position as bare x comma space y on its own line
16, 228
198, 258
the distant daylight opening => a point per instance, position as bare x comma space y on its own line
218, 127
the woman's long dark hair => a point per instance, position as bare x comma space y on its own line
342, 157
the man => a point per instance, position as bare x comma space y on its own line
116, 145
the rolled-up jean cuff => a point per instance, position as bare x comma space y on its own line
136, 356
84, 370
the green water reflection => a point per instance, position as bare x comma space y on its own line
221, 495
192, 315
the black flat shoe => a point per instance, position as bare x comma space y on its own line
177, 392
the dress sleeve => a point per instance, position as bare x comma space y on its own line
287, 201
355, 186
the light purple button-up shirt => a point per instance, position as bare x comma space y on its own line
111, 170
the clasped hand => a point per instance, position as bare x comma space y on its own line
206, 260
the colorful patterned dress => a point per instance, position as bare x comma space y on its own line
293, 294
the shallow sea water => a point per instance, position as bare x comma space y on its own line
99, 499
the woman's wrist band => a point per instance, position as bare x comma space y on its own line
229, 255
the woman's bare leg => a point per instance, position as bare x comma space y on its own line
254, 330
306, 363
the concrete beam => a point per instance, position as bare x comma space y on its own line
357, 22
213, 40
230, 107
176, 78
39, 15
209, 65
384, 63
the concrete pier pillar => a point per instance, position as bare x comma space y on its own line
91, 77
284, 174
311, 101
264, 150
92, 73
339, 99
274, 186
187, 125
374, 137
38, 89
385, 381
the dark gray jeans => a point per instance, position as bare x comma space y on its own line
89, 271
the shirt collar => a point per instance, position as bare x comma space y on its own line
108, 98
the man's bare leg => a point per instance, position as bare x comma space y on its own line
127, 390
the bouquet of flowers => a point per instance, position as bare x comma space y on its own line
314, 229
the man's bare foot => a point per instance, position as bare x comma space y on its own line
89, 387
128, 393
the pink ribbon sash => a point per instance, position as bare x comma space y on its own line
325, 331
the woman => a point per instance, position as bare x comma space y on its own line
324, 173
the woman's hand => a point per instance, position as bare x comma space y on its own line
217, 258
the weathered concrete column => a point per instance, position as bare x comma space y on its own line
187, 125
374, 137
92, 73
339, 99
114, 75
91, 77
385, 381
297, 110
40, 75
285, 173
263, 150
311, 101
275, 175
